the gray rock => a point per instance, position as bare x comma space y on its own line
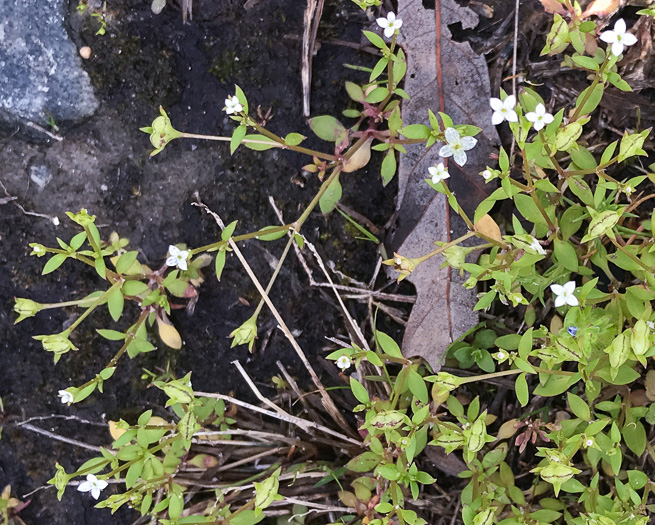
40, 70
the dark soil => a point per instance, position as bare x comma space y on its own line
144, 61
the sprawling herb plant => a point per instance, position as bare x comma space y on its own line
584, 349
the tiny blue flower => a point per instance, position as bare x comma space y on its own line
573, 330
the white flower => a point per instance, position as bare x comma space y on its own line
503, 110
457, 146
177, 257
486, 174
539, 117
65, 396
500, 355
344, 362
537, 247
564, 294
92, 485
651, 325
589, 442
232, 105
439, 173
618, 37
390, 24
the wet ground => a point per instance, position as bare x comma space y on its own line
141, 62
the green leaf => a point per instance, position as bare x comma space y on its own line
377, 95
53, 263
566, 255
378, 69
601, 224
592, 102
631, 145
388, 471
388, 345
634, 435
126, 261
219, 264
112, 335
388, 167
416, 131
355, 92
359, 391
365, 462
522, 392
328, 128
271, 236
115, 302
579, 407
585, 62
228, 231
131, 288
100, 267
263, 142
331, 197
417, 386
293, 139
242, 97
238, 135
375, 39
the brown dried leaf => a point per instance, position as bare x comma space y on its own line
168, 334
443, 310
602, 8
553, 6
487, 226
650, 385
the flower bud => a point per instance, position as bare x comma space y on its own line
402, 265
161, 132
58, 344
38, 249
26, 308
82, 218
245, 334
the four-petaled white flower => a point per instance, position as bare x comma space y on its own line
486, 174
618, 37
177, 257
589, 442
564, 294
503, 110
537, 247
651, 325
93, 485
539, 117
501, 355
232, 105
390, 24
438, 173
344, 362
65, 396
457, 146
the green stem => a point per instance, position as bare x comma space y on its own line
532, 189
96, 303
121, 351
305, 215
279, 142
459, 210
444, 247
513, 371
597, 78
239, 238
632, 256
